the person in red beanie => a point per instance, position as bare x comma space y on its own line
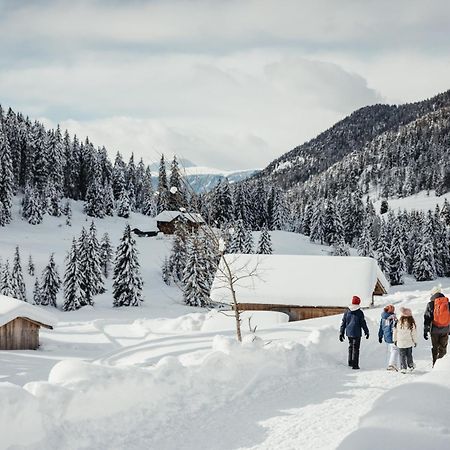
352, 325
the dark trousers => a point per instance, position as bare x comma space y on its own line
353, 351
439, 343
406, 359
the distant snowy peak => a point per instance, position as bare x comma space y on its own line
203, 179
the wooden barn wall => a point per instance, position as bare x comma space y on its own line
19, 334
295, 313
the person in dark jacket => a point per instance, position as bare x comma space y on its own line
439, 333
352, 325
386, 332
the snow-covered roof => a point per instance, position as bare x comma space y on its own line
298, 279
168, 216
11, 308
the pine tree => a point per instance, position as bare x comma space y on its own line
68, 214
31, 267
127, 285
365, 242
37, 297
50, 284
397, 263
195, 278
6, 180
34, 211
163, 189
248, 242
108, 201
176, 197
166, 271
106, 253
317, 225
265, 243
340, 248
177, 259
424, 268
90, 264
73, 297
17, 278
239, 238
118, 177
221, 204
148, 197
383, 250
6, 282
124, 206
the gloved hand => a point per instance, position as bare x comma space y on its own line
425, 335
380, 340
341, 337
367, 336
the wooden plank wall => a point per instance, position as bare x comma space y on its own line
19, 334
295, 312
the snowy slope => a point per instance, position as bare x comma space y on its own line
423, 201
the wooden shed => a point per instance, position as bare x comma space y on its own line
20, 323
167, 221
303, 287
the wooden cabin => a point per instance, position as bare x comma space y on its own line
301, 286
20, 323
167, 221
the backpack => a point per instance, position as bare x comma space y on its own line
441, 315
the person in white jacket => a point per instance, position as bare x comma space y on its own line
405, 338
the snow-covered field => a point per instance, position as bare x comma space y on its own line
166, 376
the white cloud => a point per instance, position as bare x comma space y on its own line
232, 84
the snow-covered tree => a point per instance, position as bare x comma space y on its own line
6, 179
17, 278
397, 263
247, 246
33, 211
365, 242
383, 249
239, 238
177, 259
424, 268
166, 271
340, 247
106, 254
6, 282
124, 205
195, 277
37, 298
163, 188
265, 242
127, 285
50, 284
31, 267
73, 296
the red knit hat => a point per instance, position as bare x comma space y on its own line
356, 300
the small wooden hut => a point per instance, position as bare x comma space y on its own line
20, 323
303, 287
167, 221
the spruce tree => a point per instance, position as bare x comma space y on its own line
239, 238
365, 242
31, 267
124, 206
247, 246
265, 243
6, 282
17, 278
148, 196
340, 247
106, 253
34, 212
195, 277
397, 263
383, 250
176, 197
127, 285
73, 297
317, 225
424, 268
163, 189
177, 259
37, 298
50, 284
166, 271
6, 180
108, 200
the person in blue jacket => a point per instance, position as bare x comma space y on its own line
386, 331
352, 325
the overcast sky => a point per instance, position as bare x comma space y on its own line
227, 84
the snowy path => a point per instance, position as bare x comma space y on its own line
317, 410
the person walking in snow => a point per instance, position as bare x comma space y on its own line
437, 323
386, 332
405, 338
352, 325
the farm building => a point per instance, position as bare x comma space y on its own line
166, 221
20, 323
303, 287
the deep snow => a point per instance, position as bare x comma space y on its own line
166, 376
